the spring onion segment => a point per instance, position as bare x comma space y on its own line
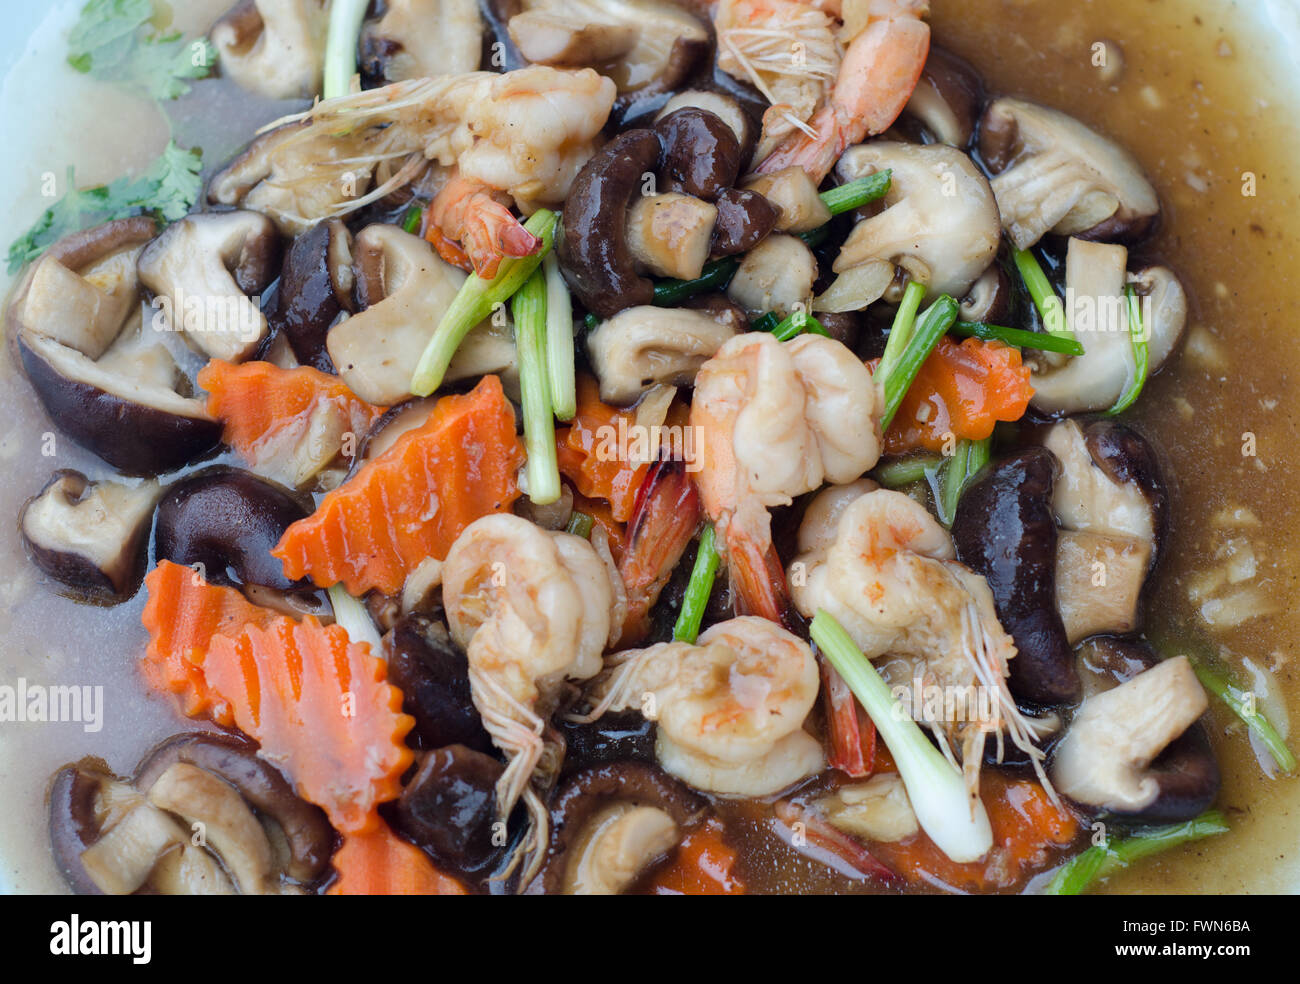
958, 826
559, 341
784, 329
966, 461
1141, 353
698, 589
901, 330
1044, 295
898, 373
857, 193
475, 301
904, 471
1017, 337
1098, 862
580, 524
351, 614
529, 310
412, 220
346, 17
715, 276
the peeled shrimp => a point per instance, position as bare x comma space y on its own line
730, 709
523, 134
774, 420
532, 610
875, 79
887, 571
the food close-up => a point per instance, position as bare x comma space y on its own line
657, 447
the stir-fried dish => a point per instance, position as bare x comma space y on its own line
585, 438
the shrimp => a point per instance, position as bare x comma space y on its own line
787, 50
774, 420
473, 214
532, 610
876, 78
887, 571
730, 709
524, 135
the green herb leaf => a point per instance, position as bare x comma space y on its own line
110, 42
167, 190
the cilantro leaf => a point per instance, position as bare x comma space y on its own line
167, 190
108, 42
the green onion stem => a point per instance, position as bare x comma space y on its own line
580, 524
958, 825
1141, 353
529, 309
715, 276
412, 220
1017, 337
796, 324
351, 614
475, 301
904, 471
857, 193
930, 327
1098, 861
559, 341
346, 18
1044, 295
967, 460
698, 589
901, 329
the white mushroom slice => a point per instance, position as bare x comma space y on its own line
876, 810
202, 269
616, 845
419, 38
793, 192
89, 534
488, 349
1102, 760
1057, 175
642, 346
84, 310
551, 36
190, 871
669, 234
939, 221
228, 825
275, 48
121, 860
1099, 582
1086, 498
856, 288
406, 288
776, 275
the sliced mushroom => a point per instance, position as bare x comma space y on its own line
121, 861
403, 288
275, 48
989, 298
938, 221
726, 108
947, 98
488, 350
77, 319
671, 234
1097, 313
316, 285
225, 522
1132, 751
416, 39
795, 195
745, 218
1112, 507
202, 270
1053, 174
642, 346
701, 154
776, 275
637, 43
90, 535
433, 676
592, 248
611, 822
1005, 530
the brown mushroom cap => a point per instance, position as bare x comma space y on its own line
316, 285
948, 97
275, 48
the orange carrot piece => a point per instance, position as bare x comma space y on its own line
964, 389
183, 614
260, 403
412, 501
1028, 831
703, 865
322, 710
381, 863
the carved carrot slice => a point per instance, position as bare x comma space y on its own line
412, 501
704, 865
322, 710
183, 614
381, 863
294, 421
